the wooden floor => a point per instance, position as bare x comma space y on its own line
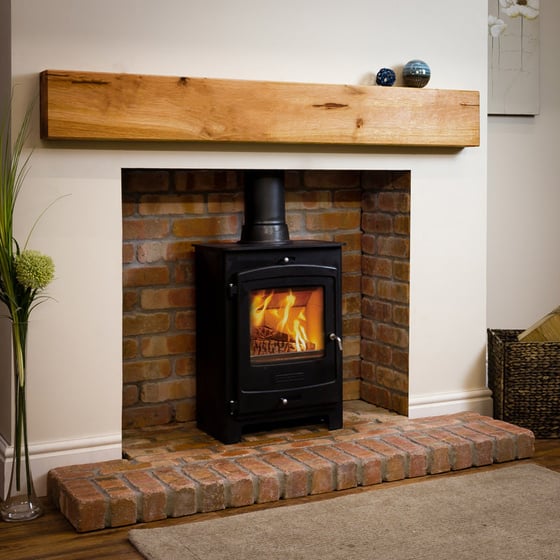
51, 536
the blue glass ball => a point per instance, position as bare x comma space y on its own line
416, 73
385, 77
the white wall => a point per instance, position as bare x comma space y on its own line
75, 346
524, 198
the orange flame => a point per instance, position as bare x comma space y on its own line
282, 315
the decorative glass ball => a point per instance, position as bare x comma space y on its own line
416, 73
385, 77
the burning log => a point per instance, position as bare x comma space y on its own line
266, 341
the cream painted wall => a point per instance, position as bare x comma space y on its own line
524, 198
75, 348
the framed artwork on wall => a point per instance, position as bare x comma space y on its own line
513, 57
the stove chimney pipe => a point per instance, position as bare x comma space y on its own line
265, 220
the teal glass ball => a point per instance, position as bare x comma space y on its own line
416, 73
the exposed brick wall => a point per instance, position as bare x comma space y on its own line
166, 211
385, 290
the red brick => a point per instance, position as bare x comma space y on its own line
346, 474
369, 244
122, 501
308, 200
169, 204
401, 271
239, 483
321, 470
83, 504
128, 253
168, 390
156, 228
185, 411
377, 353
394, 202
525, 439
377, 266
145, 276
416, 455
146, 370
504, 442
178, 250
393, 246
438, 451
167, 298
333, 220
267, 483
146, 415
185, 320
394, 336
167, 345
393, 458
331, 179
483, 446
129, 395
205, 180
348, 198
369, 463
351, 304
206, 226
376, 311
225, 202
401, 224
145, 323
182, 492
117, 466
377, 222
393, 291
461, 452
146, 180
211, 488
351, 262
152, 504
392, 379
130, 298
294, 474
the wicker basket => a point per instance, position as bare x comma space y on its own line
525, 381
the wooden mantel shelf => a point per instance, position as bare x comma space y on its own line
129, 107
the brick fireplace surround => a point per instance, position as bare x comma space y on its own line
166, 211
169, 467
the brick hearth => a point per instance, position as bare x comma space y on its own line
176, 470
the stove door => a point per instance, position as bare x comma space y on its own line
288, 354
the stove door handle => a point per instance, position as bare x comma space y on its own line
333, 336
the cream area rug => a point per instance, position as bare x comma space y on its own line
508, 513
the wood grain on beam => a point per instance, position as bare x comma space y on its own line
106, 106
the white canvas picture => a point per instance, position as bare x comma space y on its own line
513, 57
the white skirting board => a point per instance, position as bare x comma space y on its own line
47, 456
477, 400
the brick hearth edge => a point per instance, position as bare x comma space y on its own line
149, 488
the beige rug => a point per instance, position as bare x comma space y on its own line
508, 513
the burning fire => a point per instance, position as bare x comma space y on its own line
279, 322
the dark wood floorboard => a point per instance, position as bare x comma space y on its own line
51, 537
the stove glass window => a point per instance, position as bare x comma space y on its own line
286, 323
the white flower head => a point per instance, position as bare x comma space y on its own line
496, 26
525, 8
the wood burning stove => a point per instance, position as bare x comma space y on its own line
268, 323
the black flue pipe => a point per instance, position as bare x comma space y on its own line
265, 209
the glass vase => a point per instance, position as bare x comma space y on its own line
21, 502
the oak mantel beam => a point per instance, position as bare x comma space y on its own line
129, 107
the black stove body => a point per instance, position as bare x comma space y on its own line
268, 324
